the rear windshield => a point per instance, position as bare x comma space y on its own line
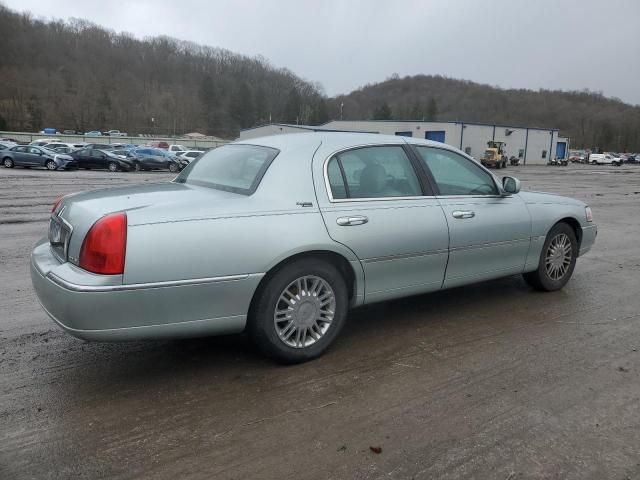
232, 168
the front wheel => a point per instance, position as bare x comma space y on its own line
173, 167
51, 165
557, 260
7, 162
137, 167
113, 167
300, 311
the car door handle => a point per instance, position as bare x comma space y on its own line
352, 221
463, 214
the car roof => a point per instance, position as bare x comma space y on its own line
337, 140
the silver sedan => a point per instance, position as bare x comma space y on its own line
281, 236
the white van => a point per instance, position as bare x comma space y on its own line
604, 159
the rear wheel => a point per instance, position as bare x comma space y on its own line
299, 312
51, 165
113, 167
557, 260
7, 162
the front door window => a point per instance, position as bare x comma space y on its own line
455, 174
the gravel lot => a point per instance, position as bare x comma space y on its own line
486, 381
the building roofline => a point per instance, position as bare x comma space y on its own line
302, 127
455, 122
317, 128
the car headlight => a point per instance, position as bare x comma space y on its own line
588, 213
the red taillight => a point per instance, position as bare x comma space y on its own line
104, 248
56, 202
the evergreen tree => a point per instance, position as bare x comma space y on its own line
291, 113
417, 113
260, 106
432, 110
383, 112
35, 113
241, 106
320, 113
210, 102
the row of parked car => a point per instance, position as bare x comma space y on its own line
603, 158
91, 133
55, 155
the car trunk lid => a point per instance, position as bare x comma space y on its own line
152, 203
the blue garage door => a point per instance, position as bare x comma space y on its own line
405, 134
436, 136
561, 150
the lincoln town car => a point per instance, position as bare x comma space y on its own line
281, 236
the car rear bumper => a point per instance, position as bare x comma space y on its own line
97, 307
589, 234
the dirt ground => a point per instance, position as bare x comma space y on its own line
487, 381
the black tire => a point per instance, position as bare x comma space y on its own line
137, 167
540, 278
113, 167
174, 168
8, 162
261, 325
50, 165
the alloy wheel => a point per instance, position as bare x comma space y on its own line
558, 256
304, 311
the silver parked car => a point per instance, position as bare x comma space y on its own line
29, 156
280, 236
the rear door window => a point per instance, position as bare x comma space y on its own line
373, 172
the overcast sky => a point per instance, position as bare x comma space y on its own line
561, 44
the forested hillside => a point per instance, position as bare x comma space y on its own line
589, 118
76, 75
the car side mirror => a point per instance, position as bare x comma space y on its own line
511, 184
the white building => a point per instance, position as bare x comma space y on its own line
534, 146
